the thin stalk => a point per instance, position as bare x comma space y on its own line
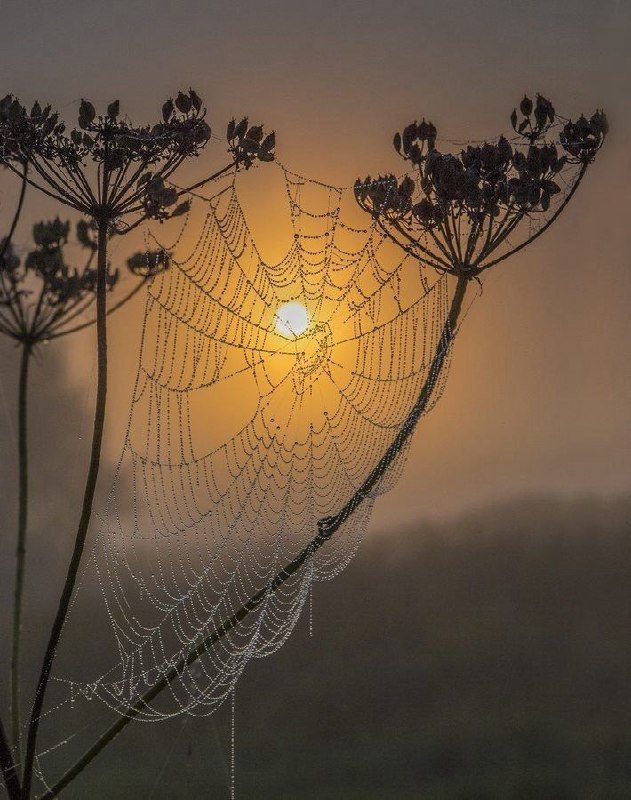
203, 182
327, 526
18, 212
543, 228
430, 260
7, 767
86, 512
129, 208
43, 189
132, 293
20, 554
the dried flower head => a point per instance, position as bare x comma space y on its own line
458, 209
107, 168
42, 293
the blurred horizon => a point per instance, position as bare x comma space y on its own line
481, 656
484, 658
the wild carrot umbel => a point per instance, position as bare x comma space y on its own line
116, 175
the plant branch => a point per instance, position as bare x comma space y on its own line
129, 208
21, 546
210, 178
7, 767
93, 470
89, 323
43, 189
327, 527
12, 302
431, 259
544, 227
18, 212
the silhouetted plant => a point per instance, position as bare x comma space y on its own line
455, 216
456, 212
461, 213
42, 294
148, 263
116, 175
41, 299
37, 297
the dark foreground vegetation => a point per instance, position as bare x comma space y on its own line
486, 658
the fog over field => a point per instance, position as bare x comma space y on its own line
485, 656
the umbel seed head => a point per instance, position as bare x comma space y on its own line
466, 204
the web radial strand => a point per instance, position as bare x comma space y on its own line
241, 438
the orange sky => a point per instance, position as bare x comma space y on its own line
540, 384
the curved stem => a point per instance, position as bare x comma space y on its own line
327, 526
60, 198
7, 767
210, 178
18, 212
21, 546
412, 249
129, 208
544, 227
84, 521
115, 307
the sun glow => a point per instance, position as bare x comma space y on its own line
292, 320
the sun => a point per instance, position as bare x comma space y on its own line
292, 320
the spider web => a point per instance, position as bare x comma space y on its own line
240, 439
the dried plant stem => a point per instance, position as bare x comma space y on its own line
83, 325
86, 512
326, 528
21, 545
18, 212
7, 767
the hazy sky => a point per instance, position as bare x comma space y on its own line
540, 382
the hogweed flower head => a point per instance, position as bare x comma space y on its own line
109, 169
456, 211
41, 293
